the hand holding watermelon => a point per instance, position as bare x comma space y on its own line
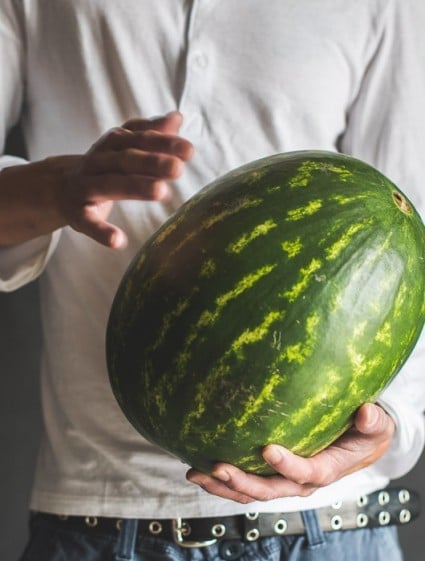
360, 446
271, 307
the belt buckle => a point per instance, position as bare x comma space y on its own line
181, 530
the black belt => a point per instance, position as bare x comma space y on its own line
378, 509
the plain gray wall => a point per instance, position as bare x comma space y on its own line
20, 420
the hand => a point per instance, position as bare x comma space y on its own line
134, 161
360, 446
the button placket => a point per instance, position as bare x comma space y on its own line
194, 97
196, 89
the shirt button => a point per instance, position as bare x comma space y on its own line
199, 60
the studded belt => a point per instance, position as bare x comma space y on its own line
381, 508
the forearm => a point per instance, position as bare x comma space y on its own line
29, 196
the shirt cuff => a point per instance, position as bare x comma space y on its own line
408, 440
8, 161
23, 263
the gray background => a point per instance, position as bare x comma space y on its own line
20, 420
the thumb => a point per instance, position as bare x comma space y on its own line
95, 226
371, 419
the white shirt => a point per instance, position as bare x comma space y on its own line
251, 78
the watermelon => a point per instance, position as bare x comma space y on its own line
267, 309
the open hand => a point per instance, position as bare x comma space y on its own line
360, 446
133, 161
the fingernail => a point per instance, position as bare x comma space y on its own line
161, 191
117, 240
273, 455
174, 112
221, 474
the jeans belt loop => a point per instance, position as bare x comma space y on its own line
313, 530
127, 540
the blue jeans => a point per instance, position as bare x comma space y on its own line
50, 542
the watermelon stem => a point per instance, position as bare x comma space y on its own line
402, 203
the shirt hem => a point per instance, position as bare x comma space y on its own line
173, 507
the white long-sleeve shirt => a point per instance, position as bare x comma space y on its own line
252, 78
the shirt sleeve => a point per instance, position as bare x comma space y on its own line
385, 127
404, 401
22, 263
11, 74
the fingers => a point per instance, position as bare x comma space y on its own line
100, 188
359, 447
132, 161
216, 487
91, 222
314, 472
141, 146
101, 231
151, 140
169, 123
231, 483
89, 217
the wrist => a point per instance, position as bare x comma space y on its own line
56, 172
30, 198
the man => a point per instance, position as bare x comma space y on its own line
248, 80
